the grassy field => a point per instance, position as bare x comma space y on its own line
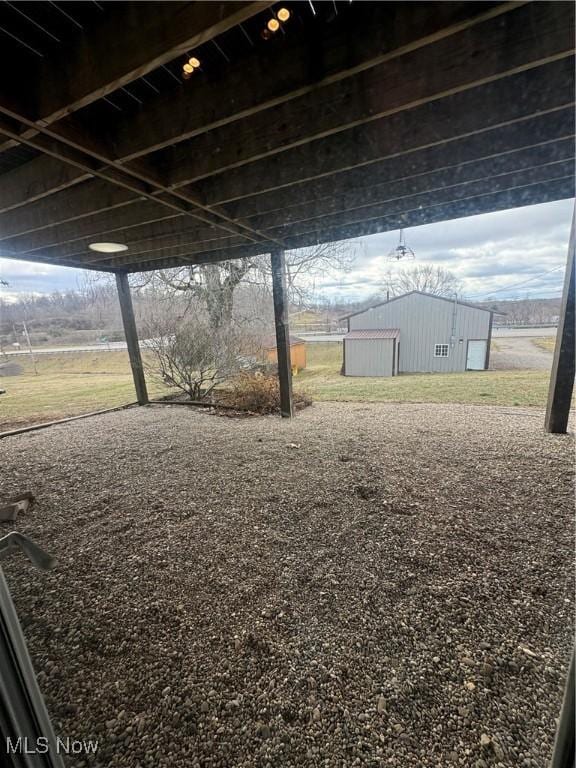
547, 343
69, 384
322, 380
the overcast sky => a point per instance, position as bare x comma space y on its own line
505, 254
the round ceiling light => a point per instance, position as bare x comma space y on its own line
194, 62
108, 247
188, 68
283, 14
273, 25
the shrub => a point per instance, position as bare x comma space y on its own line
260, 393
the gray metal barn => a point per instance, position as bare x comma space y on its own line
417, 332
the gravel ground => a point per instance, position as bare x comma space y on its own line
371, 584
517, 352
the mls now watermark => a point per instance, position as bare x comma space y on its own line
23, 745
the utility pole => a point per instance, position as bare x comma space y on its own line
30, 347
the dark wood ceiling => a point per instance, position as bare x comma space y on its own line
354, 118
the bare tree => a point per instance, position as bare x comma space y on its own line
215, 286
189, 354
424, 277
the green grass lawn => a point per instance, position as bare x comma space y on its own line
69, 384
546, 342
322, 381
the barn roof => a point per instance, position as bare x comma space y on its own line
354, 118
381, 333
420, 293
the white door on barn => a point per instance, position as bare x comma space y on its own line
476, 358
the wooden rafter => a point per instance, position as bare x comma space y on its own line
418, 119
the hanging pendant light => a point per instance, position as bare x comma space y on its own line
402, 252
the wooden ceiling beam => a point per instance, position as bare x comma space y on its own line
322, 60
511, 184
85, 199
318, 55
453, 118
469, 193
140, 235
508, 199
36, 179
428, 215
526, 38
86, 160
384, 198
108, 224
524, 143
425, 167
129, 41
173, 231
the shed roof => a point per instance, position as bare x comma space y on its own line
357, 118
420, 293
381, 333
270, 341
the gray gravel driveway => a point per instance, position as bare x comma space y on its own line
518, 352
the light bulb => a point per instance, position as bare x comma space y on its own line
273, 25
283, 14
194, 62
188, 68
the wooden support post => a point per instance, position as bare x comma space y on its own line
282, 332
562, 375
131, 337
563, 754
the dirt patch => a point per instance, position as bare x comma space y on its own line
234, 593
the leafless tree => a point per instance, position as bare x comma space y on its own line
188, 353
424, 277
215, 286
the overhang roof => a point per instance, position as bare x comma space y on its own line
355, 118
374, 333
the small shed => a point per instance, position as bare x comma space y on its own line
297, 352
371, 352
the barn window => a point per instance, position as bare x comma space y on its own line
440, 350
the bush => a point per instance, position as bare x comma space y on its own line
260, 394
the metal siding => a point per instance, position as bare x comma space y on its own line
369, 357
425, 321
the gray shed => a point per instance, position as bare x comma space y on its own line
371, 352
417, 332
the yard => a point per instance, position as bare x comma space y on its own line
322, 380
69, 384
368, 584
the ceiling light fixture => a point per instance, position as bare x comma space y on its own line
273, 25
188, 68
283, 14
108, 247
402, 251
194, 62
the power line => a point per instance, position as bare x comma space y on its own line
515, 285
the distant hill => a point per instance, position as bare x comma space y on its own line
525, 311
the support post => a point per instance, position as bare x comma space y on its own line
563, 753
562, 374
282, 332
131, 335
